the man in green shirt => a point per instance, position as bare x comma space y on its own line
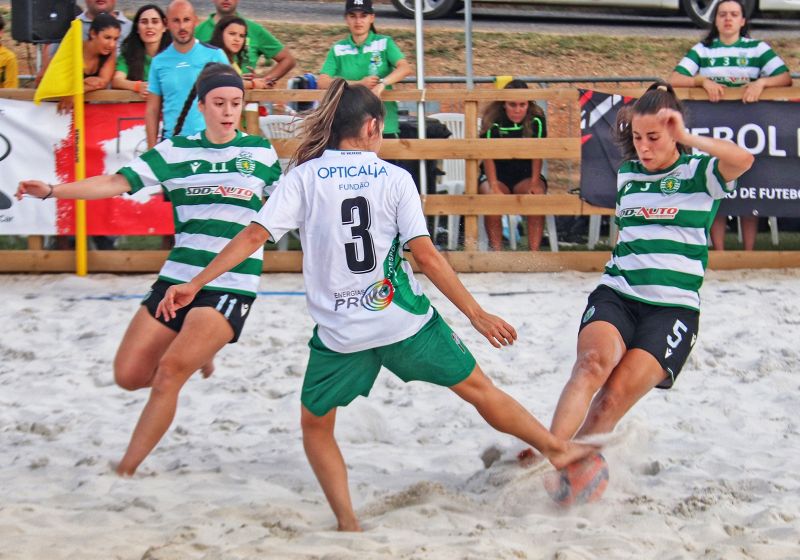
259, 42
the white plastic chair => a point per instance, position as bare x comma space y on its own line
455, 171
280, 126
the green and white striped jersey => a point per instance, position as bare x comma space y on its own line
663, 219
216, 190
733, 65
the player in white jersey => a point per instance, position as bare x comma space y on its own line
356, 213
641, 322
728, 57
216, 181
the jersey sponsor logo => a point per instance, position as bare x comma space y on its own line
245, 164
649, 213
670, 185
239, 193
353, 186
376, 297
350, 171
183, 64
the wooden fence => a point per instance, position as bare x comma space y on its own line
470, 205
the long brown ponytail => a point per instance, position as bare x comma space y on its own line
340, 115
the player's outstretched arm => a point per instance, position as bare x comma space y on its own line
438, 270
93, 188
238, 249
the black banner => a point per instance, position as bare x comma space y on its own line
770, 130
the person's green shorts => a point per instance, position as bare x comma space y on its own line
434, 354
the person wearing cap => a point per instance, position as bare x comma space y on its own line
259, 42
366, 58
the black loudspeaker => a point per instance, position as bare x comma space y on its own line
41, 21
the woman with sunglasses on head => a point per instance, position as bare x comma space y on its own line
513, 119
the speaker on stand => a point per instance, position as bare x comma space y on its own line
41, 21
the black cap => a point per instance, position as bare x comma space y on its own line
358, 6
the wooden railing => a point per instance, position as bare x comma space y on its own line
471, 205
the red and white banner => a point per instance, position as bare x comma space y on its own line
30, 136
42, 147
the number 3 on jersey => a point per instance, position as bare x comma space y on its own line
363, 260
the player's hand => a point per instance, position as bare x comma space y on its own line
177, 296
38, 189
673, 123
496, 330
370, 81
752, 91
715, 91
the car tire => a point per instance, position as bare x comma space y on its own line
432, 9
699, 11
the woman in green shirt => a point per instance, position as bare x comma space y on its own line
139, 48
366, 58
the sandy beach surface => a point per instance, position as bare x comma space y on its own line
706, 470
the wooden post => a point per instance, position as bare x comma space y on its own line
471, 177
251, 123
35, 243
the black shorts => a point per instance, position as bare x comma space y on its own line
234, 307
511, 177
668, 333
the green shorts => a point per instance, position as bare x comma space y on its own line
434, 354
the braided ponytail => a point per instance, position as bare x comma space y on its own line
187, 106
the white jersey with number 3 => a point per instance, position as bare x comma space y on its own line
354, 212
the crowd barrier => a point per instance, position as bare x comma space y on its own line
470, 204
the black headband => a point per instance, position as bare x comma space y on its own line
217, 81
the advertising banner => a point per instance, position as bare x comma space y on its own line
770, 130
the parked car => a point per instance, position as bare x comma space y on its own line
698, 10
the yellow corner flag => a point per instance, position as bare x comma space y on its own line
64, 78
64, 74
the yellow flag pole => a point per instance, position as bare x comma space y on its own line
81, 246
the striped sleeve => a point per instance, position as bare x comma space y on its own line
715, 182
771, 64
689, 65
143, 171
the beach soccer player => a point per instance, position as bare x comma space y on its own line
641, 322
216, 181
356, 213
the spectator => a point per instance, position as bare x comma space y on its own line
97, 7
367, 58
230, 35
172, 73
513, 119
139, 48
100, 53
8, 63
259, 42
93, 8
728, 57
